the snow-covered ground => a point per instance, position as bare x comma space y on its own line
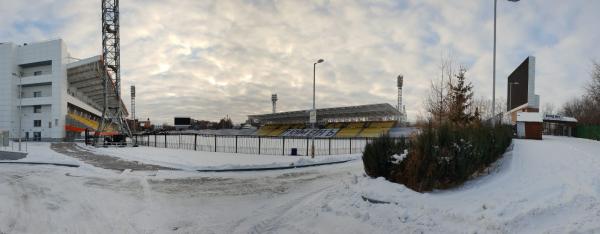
40, 152
200, 160
549, 186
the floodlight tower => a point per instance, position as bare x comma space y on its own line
400, 106
133, 105
112, 112
274, 101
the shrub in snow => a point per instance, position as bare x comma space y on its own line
378, 155
448, 155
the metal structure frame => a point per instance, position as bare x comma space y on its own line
401, 109
274, 101
133, 101
112, 67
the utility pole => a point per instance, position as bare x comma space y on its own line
494, 67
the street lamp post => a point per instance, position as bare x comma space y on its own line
494, 67
314, 109
20, 108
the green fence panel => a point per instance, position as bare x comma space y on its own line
588, 131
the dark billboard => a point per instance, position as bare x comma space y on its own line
183, 121
517, 90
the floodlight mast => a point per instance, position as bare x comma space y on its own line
113, 112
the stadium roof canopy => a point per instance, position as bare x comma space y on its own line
86, 76
372, 112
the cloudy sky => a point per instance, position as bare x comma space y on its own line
207, 59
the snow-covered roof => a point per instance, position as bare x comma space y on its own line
529, 117
371, 112
548, 117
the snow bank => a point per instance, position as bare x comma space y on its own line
541, 186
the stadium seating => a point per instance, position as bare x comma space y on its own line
376, 129
266, 129
351, 130
84, 122
279, 130
334, 125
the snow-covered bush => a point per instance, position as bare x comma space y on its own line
378, 156
449, 155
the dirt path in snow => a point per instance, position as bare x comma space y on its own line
102, 161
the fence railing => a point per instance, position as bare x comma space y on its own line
245, 144
588, 131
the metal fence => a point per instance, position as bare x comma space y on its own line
256, 144
588, 131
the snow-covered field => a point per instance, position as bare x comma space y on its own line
200, 160
540, 186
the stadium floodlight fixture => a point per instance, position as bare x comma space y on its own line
494, 67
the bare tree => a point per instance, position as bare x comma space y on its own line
593, 88
587, 108
437, 99
484, 106
548, 109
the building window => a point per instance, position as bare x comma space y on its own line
37, 94
37, 73
37, 109
49, 124
37, 123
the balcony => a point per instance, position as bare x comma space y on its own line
30, 80
36, 101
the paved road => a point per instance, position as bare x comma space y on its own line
102, 161
4, 155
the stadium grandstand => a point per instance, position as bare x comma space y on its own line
86, 84
352, 121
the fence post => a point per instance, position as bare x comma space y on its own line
195, 140
148, 142
259, 145
236, 138
155, 140
283, 146
307, 153
215, 143
350, 144
165, 140
330, 146
179, 142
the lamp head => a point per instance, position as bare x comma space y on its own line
320, 61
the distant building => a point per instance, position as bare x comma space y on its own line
529, 125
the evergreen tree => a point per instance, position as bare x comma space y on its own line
461, 99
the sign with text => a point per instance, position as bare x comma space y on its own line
327, 132
313, 117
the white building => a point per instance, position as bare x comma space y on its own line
59, 98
